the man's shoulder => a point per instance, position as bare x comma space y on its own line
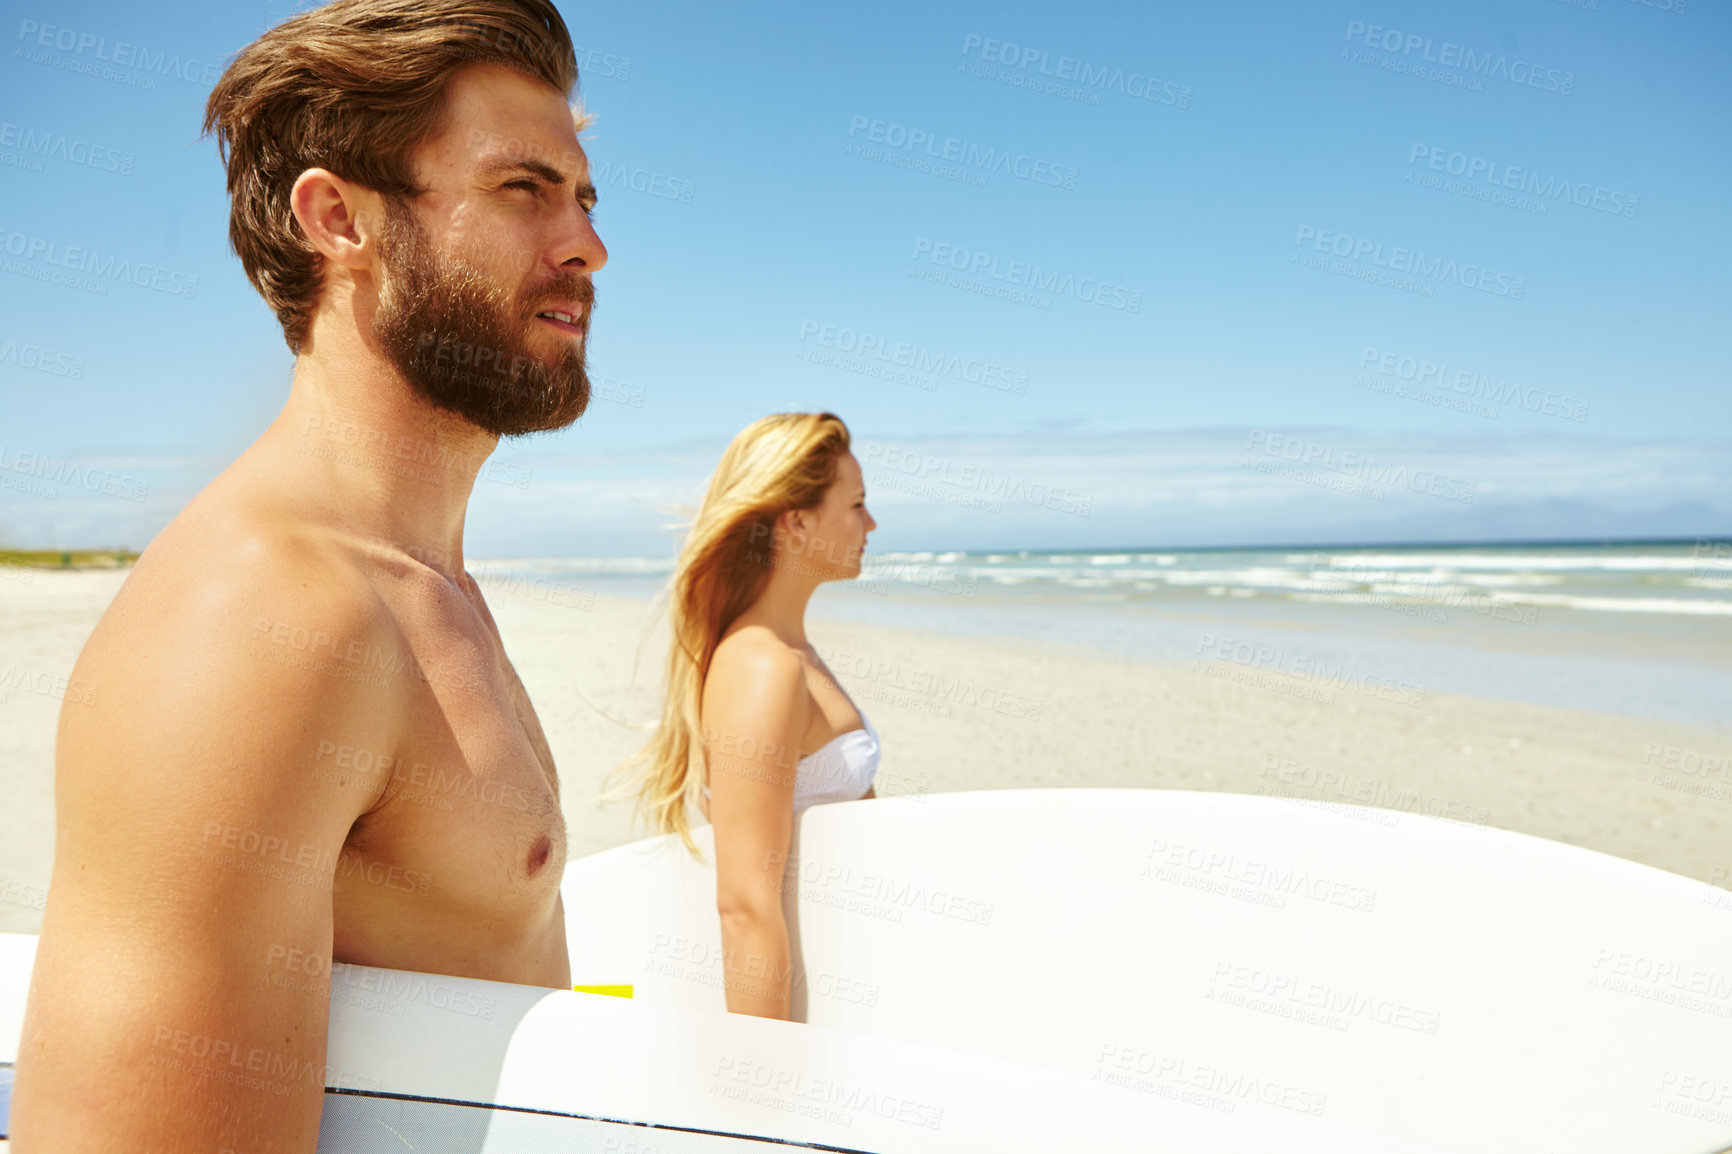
232, 655
223, 597
217, 566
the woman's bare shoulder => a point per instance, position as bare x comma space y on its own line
753, 657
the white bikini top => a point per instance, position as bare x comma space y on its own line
842, 769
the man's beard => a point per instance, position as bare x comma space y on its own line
454, 336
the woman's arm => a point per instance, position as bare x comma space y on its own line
755, 709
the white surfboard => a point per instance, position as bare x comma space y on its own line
1101, 970
454, 1066
1251, 958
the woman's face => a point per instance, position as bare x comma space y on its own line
834, 533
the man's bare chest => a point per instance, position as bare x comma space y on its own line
468, 797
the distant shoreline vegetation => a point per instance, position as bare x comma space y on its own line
68, 558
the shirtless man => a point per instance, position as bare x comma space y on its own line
307, 743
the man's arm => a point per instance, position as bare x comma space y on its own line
172, 1005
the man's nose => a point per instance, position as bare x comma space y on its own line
579, 248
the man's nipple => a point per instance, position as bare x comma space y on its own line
538, 854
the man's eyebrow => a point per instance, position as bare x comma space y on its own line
585, 192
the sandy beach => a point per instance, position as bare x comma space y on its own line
966, 713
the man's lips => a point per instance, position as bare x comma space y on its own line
569, 321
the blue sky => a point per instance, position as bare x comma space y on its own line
1378, 271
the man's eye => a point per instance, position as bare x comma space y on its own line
525, 183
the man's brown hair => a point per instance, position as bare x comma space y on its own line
354, 87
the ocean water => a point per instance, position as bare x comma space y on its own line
1643, 629
1688, 579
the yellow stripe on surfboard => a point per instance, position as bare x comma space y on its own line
610, 991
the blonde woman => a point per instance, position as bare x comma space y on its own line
755, 729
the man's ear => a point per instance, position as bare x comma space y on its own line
340, 219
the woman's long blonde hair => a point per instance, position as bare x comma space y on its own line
777, 463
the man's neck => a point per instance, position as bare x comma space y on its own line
397, 469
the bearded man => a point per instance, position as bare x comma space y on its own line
307, 743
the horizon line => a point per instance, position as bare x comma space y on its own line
1558, 542
1532, 542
